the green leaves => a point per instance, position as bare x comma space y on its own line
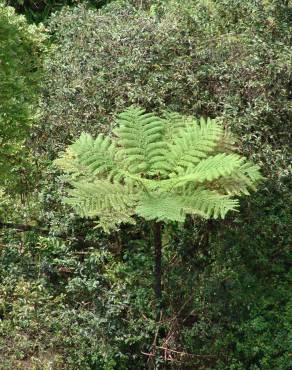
20, 71
156, 168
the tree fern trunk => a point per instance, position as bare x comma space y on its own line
158, 257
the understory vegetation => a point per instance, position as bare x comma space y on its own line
74, 296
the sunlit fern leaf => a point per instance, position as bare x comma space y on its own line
174, 123
174, 207
68, 162
226, 144
208, 169
216, 166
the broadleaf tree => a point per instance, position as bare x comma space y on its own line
158, 168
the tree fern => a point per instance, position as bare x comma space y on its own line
161, 169
158, 168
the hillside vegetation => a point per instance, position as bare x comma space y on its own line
76, 296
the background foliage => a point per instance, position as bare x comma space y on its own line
72, 298
39, 10
20, 70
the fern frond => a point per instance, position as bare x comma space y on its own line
240, 181
174, 123
226, 144
160, 207
96, 157
195, 142
207, 170
112, 203
68, 163
99, 155
139, 136
175, 207
209, 204
215, 166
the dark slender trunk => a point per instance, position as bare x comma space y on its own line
158, 268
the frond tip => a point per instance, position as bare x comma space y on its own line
156, 168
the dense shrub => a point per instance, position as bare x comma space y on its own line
61, 309
20, 55
39, 10
65, 305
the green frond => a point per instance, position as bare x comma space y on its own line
96, 157
240, 181
206, 170
174, 123
175, 207
160, 207
209, 204
216, 166
139, 137
226, 144
112, 203
195, 142
68, 163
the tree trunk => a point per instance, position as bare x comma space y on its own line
158, 268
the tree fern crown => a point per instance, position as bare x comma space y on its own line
159, 168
